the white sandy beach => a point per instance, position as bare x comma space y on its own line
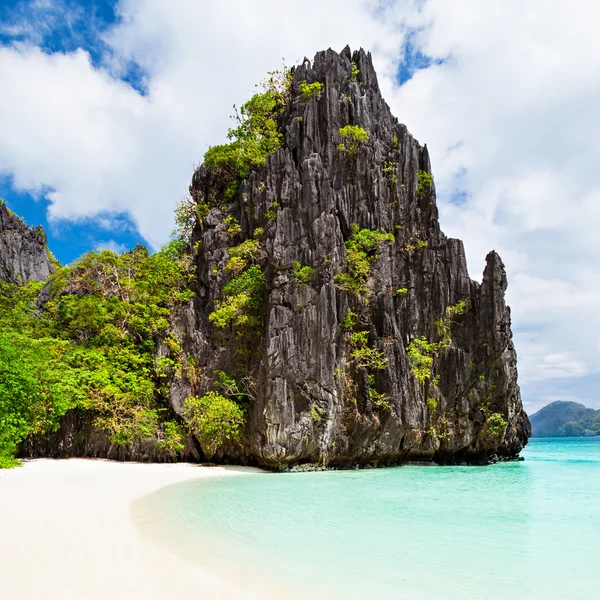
66, 534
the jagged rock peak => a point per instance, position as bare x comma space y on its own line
24, 255
338, 67
398, 357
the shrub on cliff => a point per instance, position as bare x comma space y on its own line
215, 420
241, 298
352, 137
424, 182
362, 250
308, 90
255, 137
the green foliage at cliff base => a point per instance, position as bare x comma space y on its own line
92, 346
215, 420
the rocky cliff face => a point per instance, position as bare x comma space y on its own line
419, 364
23, 251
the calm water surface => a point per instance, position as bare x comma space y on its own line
519, 530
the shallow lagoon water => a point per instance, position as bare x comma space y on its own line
519, 530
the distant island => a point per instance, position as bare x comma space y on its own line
565, 419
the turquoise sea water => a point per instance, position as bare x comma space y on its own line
521, 530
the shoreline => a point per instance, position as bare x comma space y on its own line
68, 533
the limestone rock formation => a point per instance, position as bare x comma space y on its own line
325, 288
447, 388
23, 252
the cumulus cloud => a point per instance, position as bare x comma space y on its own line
504, 93
507, 118
96, 144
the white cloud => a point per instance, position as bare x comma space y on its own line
100, 146
508, 117
511, 116
111, 245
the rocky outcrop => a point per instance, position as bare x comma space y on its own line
400, 357
23, 252
313, 399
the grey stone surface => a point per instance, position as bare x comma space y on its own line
23, 251
301, 357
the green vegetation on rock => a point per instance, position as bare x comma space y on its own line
352, 137
233, 227
247, 253
317, 413
255, 137
363, 355
432, 404
188, 213
379, 400
362, 250
420, 355
424, 182
349, 320
241, 298
420, 351
443, 324
308, 90
215, 420
372, 360
271, 213
303, 273
495, 424
92, 347
390, 171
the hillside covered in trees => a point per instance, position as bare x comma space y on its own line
565, 419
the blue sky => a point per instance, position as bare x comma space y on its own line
54, 34
70, 239
106, 107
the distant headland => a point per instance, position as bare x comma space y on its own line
565, 419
